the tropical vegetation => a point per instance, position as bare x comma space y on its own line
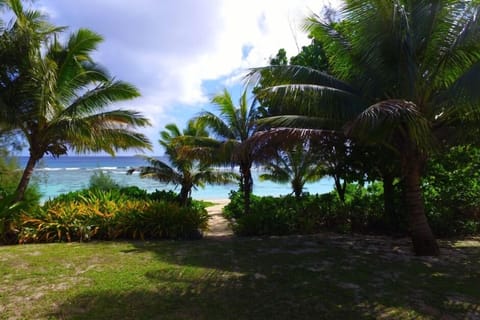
233, 126
57, 97
296, 165
401, 74
382, 101
181, 170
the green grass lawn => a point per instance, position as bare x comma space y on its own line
310, 277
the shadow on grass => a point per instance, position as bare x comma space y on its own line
288, 278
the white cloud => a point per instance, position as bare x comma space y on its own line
169, 48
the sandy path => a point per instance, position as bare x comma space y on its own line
217, 224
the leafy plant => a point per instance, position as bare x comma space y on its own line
103, 181
361, 212
10, 209
451, 188
111, 214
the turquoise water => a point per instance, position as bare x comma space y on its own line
69, 173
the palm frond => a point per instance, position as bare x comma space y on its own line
277, 176
72, 58
462, 99
387, 121
101, 96
219, 127
292, 74
160, 171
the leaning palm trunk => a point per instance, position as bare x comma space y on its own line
424, 243
26, 176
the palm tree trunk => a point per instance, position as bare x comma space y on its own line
297, 188
246, 186
340, 187
388, 202
26, 176
423, 240
184, 195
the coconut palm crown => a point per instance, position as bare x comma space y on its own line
296, 165
181, 170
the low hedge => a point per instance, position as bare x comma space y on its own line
112, 214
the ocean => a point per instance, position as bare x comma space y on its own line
70, 173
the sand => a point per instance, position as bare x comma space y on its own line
218, 226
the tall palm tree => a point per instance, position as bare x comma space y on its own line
183, 171
61, 98
233, 126
403, 71
296, 165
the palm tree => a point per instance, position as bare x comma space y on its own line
183, 171
19, 41
296, 165
60, 98
403, 71
233, 126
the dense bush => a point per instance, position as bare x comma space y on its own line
126, 213
451, 190
362, 211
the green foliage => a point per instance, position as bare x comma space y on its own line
103, 181
272, 216
8, 214
57, 97
126, 213
234, 125
402, 74
170, 196
296, 165
361, 212
184, 167
10, 209
451, 190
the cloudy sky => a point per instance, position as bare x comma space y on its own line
179, 53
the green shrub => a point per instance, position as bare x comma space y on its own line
134, 192
362, 212
451, 191
103, 181
274, 216
164, 195
112, 214
163, 220
61, 222
10, 211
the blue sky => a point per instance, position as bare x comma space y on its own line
179, 53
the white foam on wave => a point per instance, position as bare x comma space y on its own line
102, 168
72, 169
119, 172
